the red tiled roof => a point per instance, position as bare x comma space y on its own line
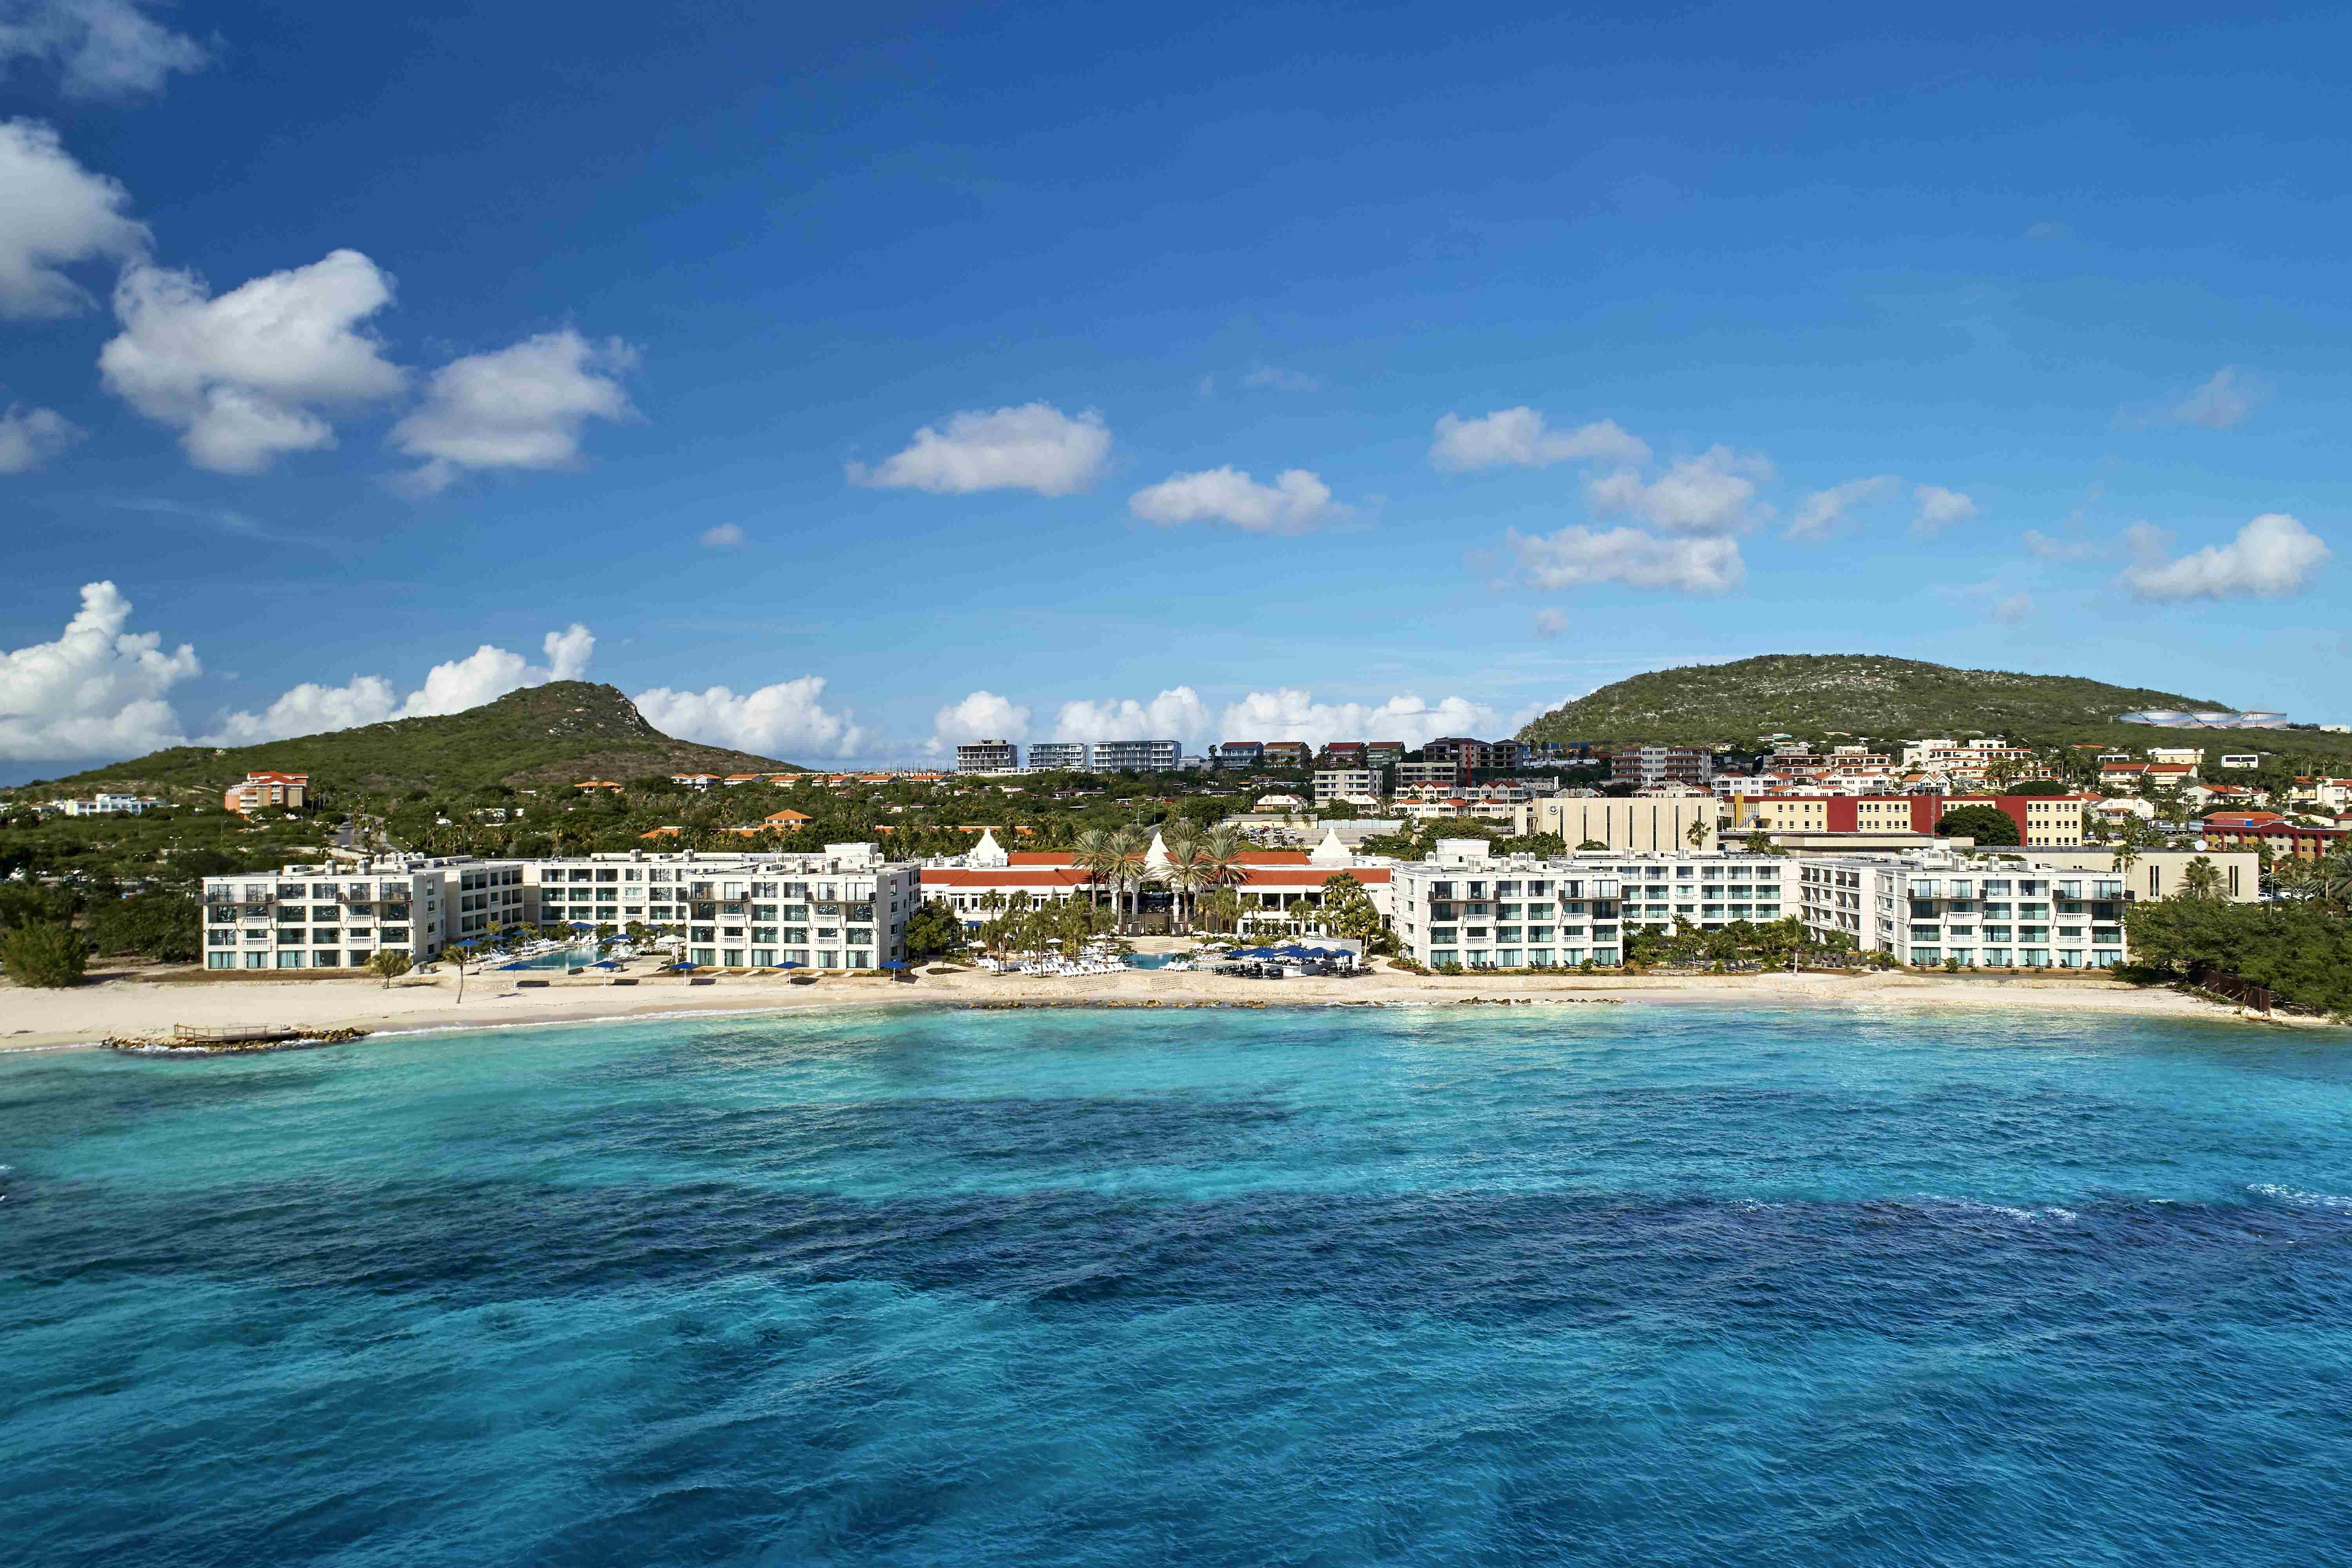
1003, 876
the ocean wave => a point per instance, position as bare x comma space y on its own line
2296, 1197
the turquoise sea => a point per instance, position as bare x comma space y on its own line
1622, 1285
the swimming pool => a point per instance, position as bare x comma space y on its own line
561, 958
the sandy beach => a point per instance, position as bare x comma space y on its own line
149, 1001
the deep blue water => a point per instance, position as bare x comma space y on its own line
1587, 1285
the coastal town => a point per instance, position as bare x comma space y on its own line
1457, 857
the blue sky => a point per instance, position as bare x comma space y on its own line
367, 354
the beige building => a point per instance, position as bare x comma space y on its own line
261, 790
2155, 873
1659, 825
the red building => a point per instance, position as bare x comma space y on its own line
2257, 829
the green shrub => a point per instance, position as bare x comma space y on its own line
44, 954
2302, 953
161, 925
1985, 824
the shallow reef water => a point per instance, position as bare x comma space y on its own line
1650, 1284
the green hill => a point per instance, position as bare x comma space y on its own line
558, 733
1817, 696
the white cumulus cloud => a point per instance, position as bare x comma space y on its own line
568, 651
1714, 492
1035, 446
310, 708
56, 213
1939, 509
98, 692
1296, 501
1518, 437
519, 407
2271, 556
1823, 510
487, 674
1582, 557
2224, 400
101, 48
1176, 713
30, 438
240, 376
789, 716
726, 536
1289, 713
981, 716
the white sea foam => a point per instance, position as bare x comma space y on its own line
2298, 1198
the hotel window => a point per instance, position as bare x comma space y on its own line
1441, 956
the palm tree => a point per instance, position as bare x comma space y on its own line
2200, 879
1096, 851
2330, 878
1131, 869
1184, 875
1696, 834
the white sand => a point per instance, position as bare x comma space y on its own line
148, 1002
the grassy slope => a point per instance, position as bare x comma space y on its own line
556, 733
1811, 695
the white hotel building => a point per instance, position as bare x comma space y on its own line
2059, 910
339, 916
843, 909
1463, 906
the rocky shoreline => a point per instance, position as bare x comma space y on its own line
299, 1039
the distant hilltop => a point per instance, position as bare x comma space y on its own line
1816, 695
559, 733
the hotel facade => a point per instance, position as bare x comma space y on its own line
1462, 906
846, 908
340, 916
843, 909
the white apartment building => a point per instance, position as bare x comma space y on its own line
1945, 754
988, 757
1924, 908
340, 916
1049, 755
1127, 756
846, 908
105, 805
1463, 906
1354, 785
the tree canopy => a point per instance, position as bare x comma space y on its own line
1985, 824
